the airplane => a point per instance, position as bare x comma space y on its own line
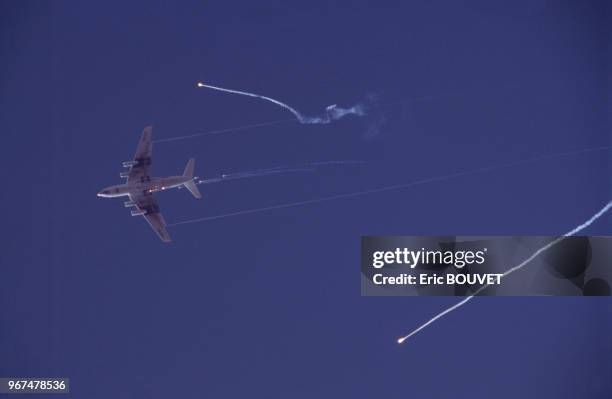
140, 186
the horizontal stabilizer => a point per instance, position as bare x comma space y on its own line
191, 186
193, 189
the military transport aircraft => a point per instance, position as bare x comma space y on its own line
140, 186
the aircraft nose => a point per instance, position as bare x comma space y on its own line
102, 193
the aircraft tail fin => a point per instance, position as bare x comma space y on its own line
190, 185
189, 168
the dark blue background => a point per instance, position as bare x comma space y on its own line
268, 304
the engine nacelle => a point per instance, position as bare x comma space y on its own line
128, 204
139, 212
128, 164
124, 174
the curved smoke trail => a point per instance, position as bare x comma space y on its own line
332, 112
554, 242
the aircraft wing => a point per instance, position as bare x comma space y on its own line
141, 170
157, 223
147, 203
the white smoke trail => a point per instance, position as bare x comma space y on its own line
332, 112
392, 187
328, 163
303, 167
251, 174
554, 242
312, 165
360, 110
221, 131
264, 172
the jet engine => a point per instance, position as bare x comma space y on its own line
139, 212
128, 204
127, 164
124, 174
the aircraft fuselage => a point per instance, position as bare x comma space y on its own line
150, 185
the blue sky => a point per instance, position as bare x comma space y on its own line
268, 304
